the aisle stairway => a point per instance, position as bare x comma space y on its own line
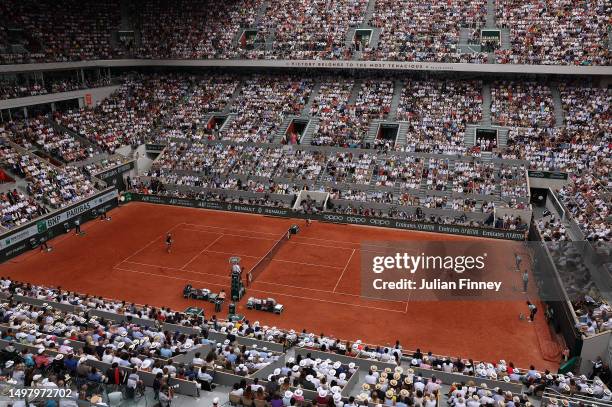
372, 132
261, 13
558, 105
311, 98
283, 127
354, 92
402, 134
234, 96
230, 118
311, 127
368, 13
469, 138
397, 95
490, 19
505, 39
486, 105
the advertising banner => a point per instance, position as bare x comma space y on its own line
17, 241
334, 217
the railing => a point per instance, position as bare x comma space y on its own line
575, 399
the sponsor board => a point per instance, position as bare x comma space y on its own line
323, 64
77, 210
154, 147
42, 225
548, 175
335, 217
150, 198
181, 202
115, 171
393, 65
15, 250
425, 227
12, 239
209, 205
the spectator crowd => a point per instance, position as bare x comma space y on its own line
190, 112
438, 112
64, 337
562, 33
10, 89
425, 32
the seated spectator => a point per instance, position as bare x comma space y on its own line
562, 33
424, 32
437, 113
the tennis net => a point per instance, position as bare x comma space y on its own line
261, 265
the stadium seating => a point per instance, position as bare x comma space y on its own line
127, 115
75, 324
425, 32
312, 29
96, 167
12, 90
521, 105
17, 209
40, 133
177, 109
455, 142
438, 112
261, 106
563, 33
53, 32
177, 32
52, 186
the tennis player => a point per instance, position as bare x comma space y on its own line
169, 242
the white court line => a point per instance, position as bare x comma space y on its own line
175, 268
307, 264
338, 247
235, 230
343, 241
265, 292
298, 237
235, 254
263, 282
345, 267
147, 245
228, 234
323, 291
212, 251
280, 260
319, 245
293, 242
408, 301
297, 287
202, 251
360, 244
172, 277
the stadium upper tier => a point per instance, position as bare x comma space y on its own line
404, 144
560, 32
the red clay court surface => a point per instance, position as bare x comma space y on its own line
316, 275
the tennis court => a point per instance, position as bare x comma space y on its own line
315, 275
